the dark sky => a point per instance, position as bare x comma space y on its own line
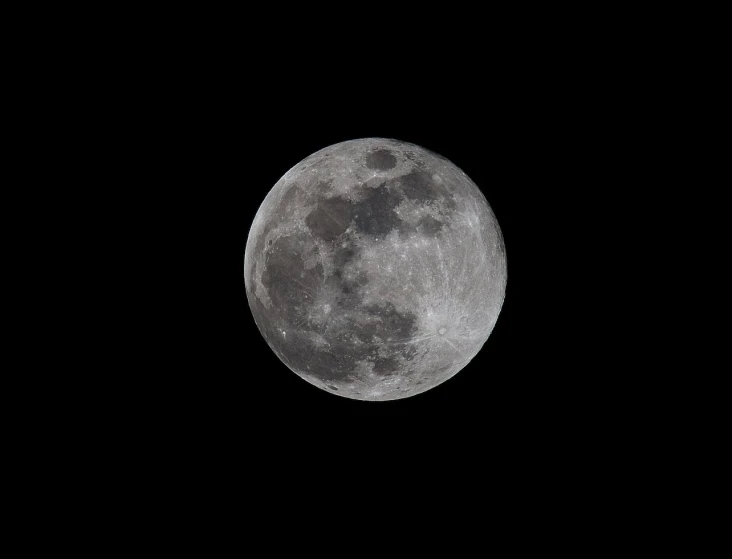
535, 146
519, 152
188, 129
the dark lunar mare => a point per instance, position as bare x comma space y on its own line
381, 160
292, 289
330, 218
374, 214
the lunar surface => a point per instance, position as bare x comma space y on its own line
375, 269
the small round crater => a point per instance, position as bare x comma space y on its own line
381, 160
442, 330
332, 387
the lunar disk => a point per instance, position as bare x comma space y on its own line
375, 269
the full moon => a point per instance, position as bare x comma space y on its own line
375, 269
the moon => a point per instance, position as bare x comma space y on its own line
375, 269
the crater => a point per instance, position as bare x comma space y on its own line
381, 160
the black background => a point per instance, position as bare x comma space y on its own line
207, 139
179, 402
527, 150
